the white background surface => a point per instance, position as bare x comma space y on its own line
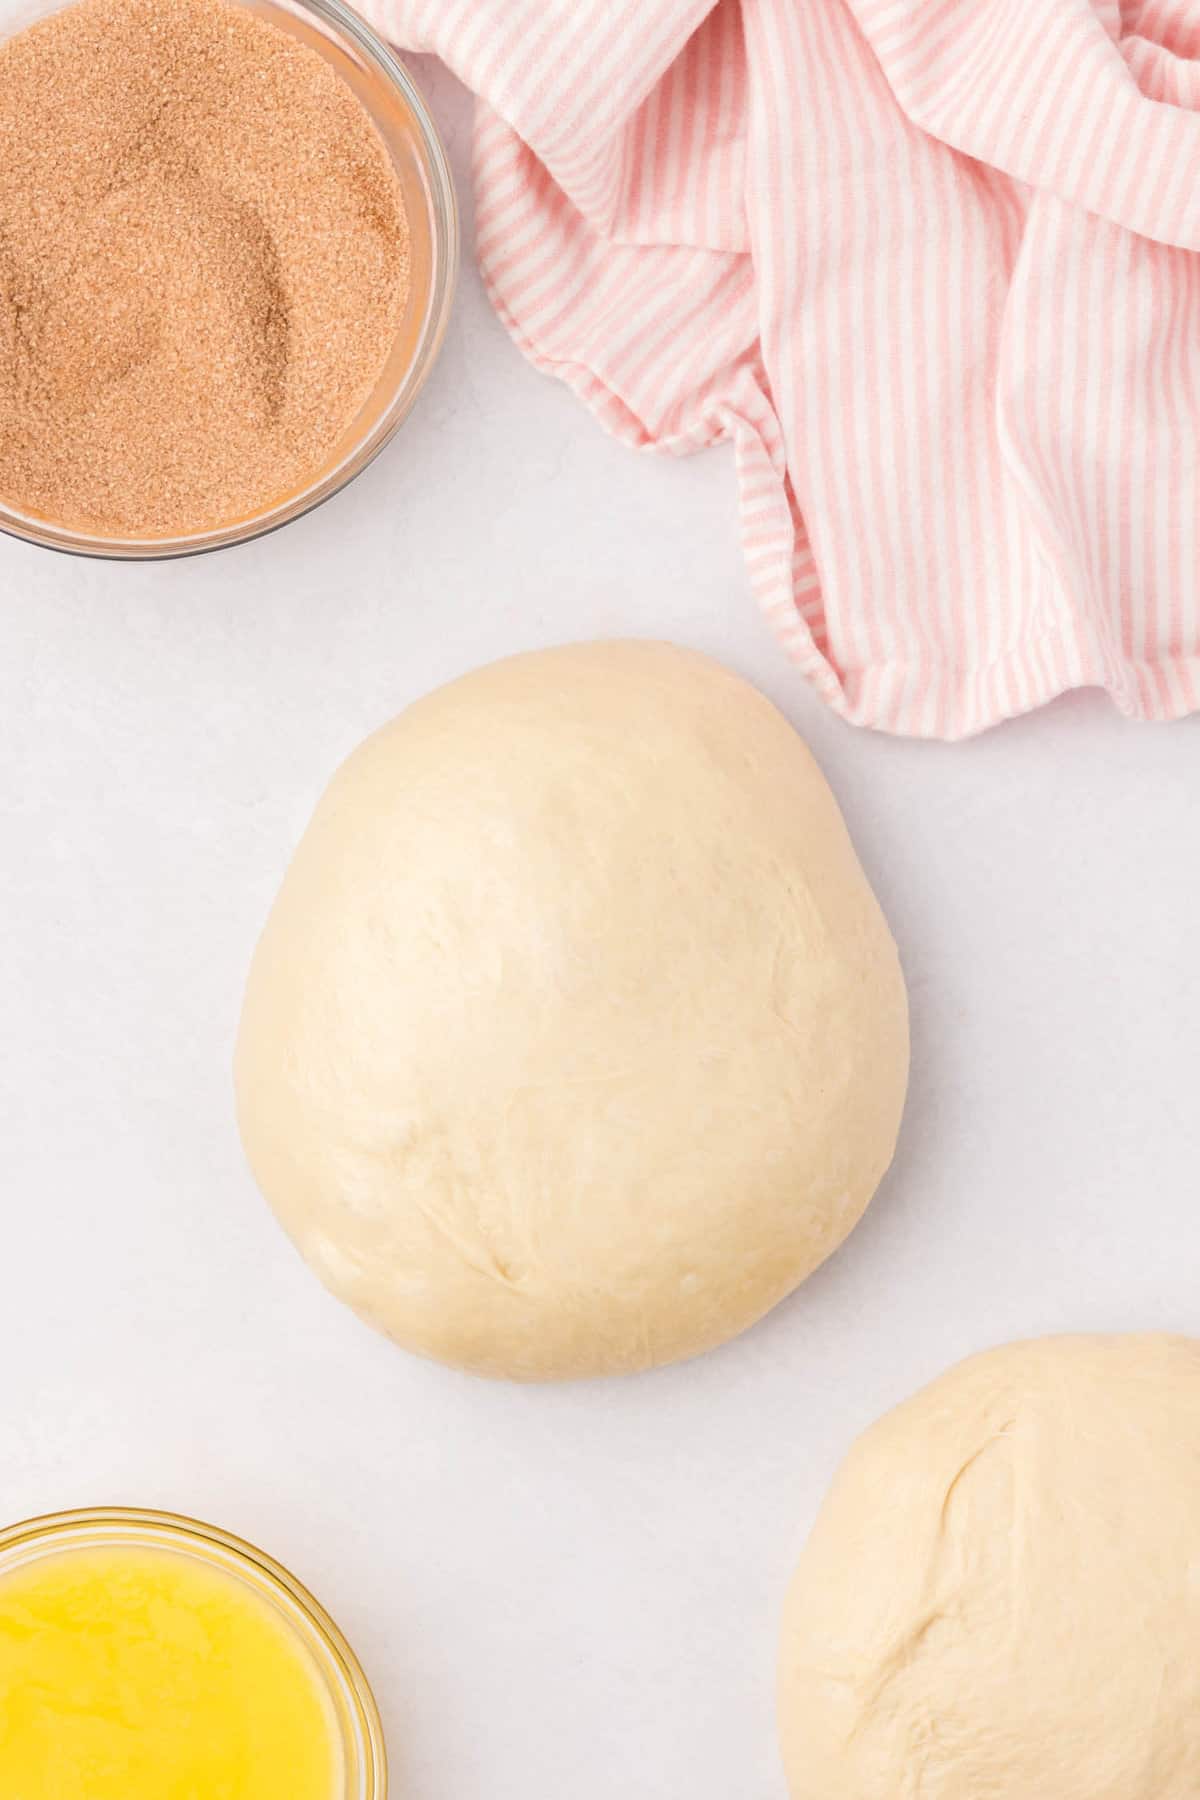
559, 1592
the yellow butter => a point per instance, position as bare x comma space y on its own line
137, 1674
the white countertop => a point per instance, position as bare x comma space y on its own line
559, 1591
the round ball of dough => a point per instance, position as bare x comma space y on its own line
576, 1037
1001, 1595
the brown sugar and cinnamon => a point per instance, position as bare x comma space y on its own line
204, 263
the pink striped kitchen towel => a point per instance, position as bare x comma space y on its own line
933, 268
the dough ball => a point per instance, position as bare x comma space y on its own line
576, 1038
1001, 1596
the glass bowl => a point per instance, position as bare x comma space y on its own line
346, 1688
387, 91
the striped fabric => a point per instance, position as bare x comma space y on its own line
932, 267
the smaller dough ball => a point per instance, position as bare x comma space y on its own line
576, 1038
1001, 1596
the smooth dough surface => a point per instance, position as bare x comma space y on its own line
1001, 1597
576, 1037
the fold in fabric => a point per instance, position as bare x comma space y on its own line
931, 266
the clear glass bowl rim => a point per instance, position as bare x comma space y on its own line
123, 1524
444, 224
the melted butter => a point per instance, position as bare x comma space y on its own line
130, 1674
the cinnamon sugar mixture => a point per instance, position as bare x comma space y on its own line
203, 265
